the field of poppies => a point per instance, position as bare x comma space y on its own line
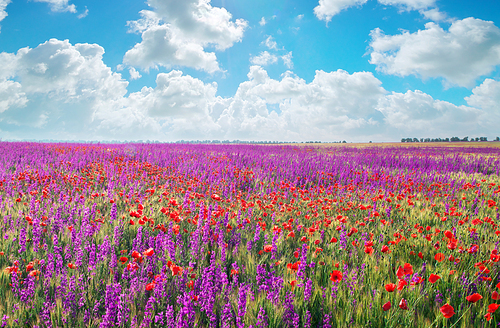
164, 235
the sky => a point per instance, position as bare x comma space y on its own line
284, 70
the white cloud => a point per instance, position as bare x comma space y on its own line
63, 91
434, 15
11, 95
3, 5
59, 5
55, 90
270, 43
262, 21
409, 4
265, 58
134, 75
487, 97
469, 49
84, 14
418, 114
326, 9
299, 17
287, 60
177, 33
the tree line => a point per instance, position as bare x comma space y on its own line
452, 139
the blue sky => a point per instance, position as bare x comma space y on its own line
326, 70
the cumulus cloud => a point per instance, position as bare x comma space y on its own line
264, 59
59, 5
176, 33
270, 43
54, 87
134, 74
469, 49
262, 21
408, 5
3, 5
287, 60
63, 91
326, 9
487, 97
434, 15
417, 113
84, 14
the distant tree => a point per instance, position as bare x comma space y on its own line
402, 140
344, 141
447, 139
497, 139
415, 140
465, 139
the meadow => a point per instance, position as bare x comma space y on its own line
172, 235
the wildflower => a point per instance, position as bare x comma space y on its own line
386, 306
390, 287
433, 278
447, 310
403, 304
474, 298
336, 276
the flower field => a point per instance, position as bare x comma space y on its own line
163, 235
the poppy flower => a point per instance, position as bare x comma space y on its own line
493, 307
336, 276
268, 248
386, 306
474, 298
385, 249
403, 304
439, 257
495, 295
401, 284
123, 259
447, 310
487, 316
176, 270
333, 240
149, 252
150, 286
390, 287
433, 278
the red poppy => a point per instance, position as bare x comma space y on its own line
149, 252
495, 295
336, 276
401, 284
176, 270
293, 283
123, 259
493, 307
439, 257
473, 298
268, 248
447, 310
403, 304
386, 306
433, 278
385, 249
390, 287
333, 240
448, 234
291, 234
150, 286
487, 316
